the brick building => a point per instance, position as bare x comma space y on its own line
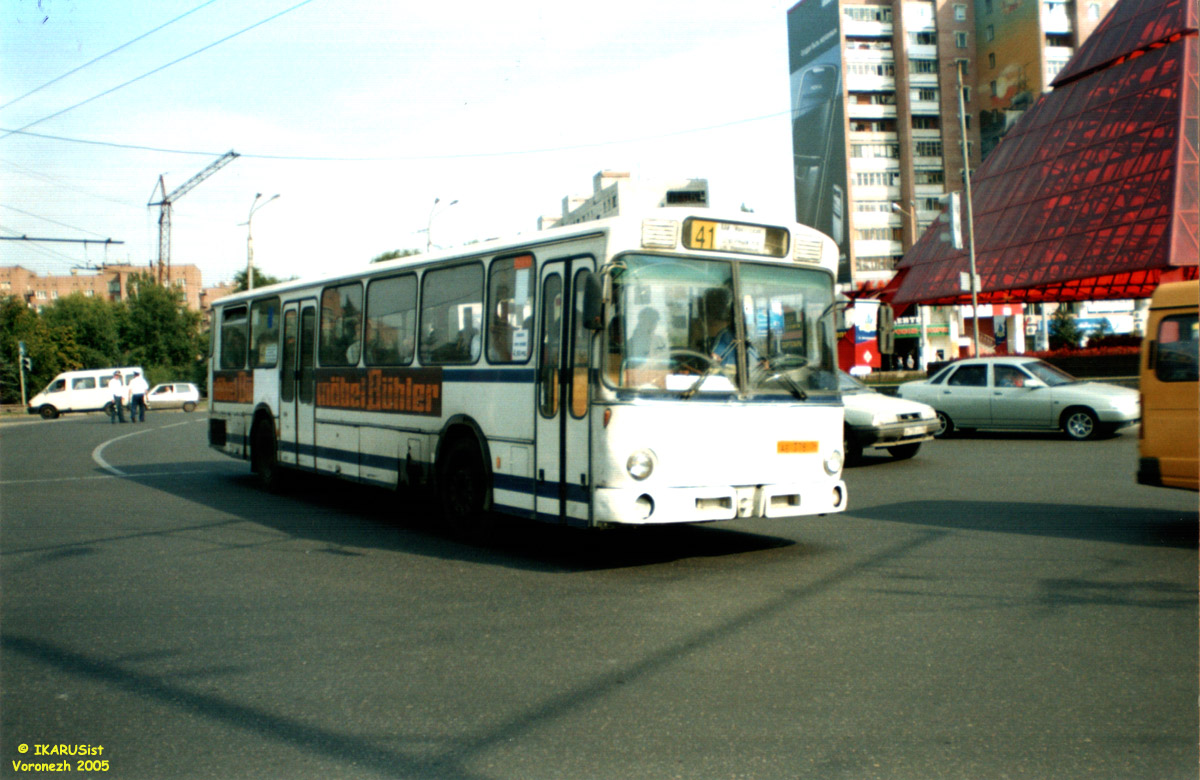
109, 281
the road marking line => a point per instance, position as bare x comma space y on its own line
96, 456
107, 476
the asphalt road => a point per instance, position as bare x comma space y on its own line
998, 607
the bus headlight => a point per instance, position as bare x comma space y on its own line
640, 464
833, 462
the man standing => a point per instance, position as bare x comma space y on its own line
116, 388
137, 398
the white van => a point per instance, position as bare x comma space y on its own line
79, 391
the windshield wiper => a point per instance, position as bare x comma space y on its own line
712, 363
785, 378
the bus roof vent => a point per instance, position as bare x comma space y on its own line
660, 233
806, 250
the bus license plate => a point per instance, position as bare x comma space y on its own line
792, 447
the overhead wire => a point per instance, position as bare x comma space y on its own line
408, 158
159, 69
73, 71
51, 221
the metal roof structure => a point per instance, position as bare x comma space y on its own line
1094, 193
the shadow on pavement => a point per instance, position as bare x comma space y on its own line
1122, 525
345, 516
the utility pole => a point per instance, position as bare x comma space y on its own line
21, 360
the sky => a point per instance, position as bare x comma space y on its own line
360, 115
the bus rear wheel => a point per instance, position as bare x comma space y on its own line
463, 491
264, 461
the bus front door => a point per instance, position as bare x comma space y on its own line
563, 395
297, 385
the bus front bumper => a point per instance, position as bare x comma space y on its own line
646, 505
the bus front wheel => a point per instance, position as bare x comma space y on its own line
462, 491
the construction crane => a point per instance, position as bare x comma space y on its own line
166, 200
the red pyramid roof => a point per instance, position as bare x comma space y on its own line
1094, 193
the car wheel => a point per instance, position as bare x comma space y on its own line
48, 412
852, 449
904, 451
945, 425
462, 491
189, 407
1080, 424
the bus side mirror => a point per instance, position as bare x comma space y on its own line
593, 302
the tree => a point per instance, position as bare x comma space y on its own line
160, 333
395, 254
260, 280
96, 324
52, 349
1102, 331
1064, 332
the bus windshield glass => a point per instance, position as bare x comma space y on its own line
684, 326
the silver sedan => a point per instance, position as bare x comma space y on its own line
1023, 393
174, 395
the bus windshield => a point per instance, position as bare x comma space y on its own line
684, 326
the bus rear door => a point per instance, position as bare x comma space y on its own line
297, 385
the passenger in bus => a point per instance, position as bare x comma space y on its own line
468, 343
646, 341
719, 337
500, 335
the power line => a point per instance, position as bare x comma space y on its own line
65, 185
47, 219
158, 69
411, 158
106, 54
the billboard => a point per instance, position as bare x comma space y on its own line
819, 121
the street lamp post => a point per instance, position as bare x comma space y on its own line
962, 122
429, 224
255, 206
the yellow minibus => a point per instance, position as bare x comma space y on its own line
1170, 425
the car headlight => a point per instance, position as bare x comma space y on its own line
879, 420
833, 462
640, 464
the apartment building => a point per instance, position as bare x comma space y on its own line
1022, 45
876, 121
108, 281
612, 190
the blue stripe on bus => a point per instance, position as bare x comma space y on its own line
517, 375
531, 487
525, 485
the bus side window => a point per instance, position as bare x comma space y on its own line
340, 342
510, 309
264, 333
391, 320
451, 304
233, 338
1176, 356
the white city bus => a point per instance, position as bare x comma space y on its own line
674, 367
